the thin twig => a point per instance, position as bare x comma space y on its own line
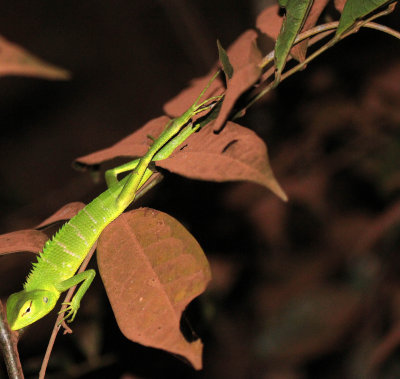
60, 317
357, 25
288, 73
150, 183
8, 345
383, 29
319, 29
319, 32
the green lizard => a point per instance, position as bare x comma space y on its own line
55, 269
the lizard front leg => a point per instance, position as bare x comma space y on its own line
86, 277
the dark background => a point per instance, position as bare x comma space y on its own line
307, 289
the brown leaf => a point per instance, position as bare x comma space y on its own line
270, 22
22, 240
339, 5
64, 213
34, 240
14, 60
243, 51
244, 56
236, 153
180, 103
152, 267
135, 145
299, 51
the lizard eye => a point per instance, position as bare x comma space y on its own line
28, 309
45, 299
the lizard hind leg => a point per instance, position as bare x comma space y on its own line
111, 175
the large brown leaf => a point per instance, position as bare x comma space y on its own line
236, 153
269, 21
244, 57
14, 60
135, 145
152, 267
22, 240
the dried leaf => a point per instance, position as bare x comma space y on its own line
244, 56
244, 51
14, 60
269, 21
34, 240
339, 5
64, 213
299, 51
22, 240
236, 153
135, 145
180, 103
152, 267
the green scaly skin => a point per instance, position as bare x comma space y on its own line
54, 271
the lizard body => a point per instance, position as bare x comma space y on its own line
54, 271
60, 258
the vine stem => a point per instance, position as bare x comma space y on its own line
319, 29
318, 32
8, 346
383, 29
329, 28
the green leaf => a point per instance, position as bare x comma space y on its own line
296, 14
224, 59
355, 10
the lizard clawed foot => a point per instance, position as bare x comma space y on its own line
71, 311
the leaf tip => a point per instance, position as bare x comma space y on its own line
224, 59
278, 191
196, 356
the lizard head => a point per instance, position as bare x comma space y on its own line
26, 307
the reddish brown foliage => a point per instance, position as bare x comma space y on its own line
236, 153
152, 268
22, 240
314, 277
14, 60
